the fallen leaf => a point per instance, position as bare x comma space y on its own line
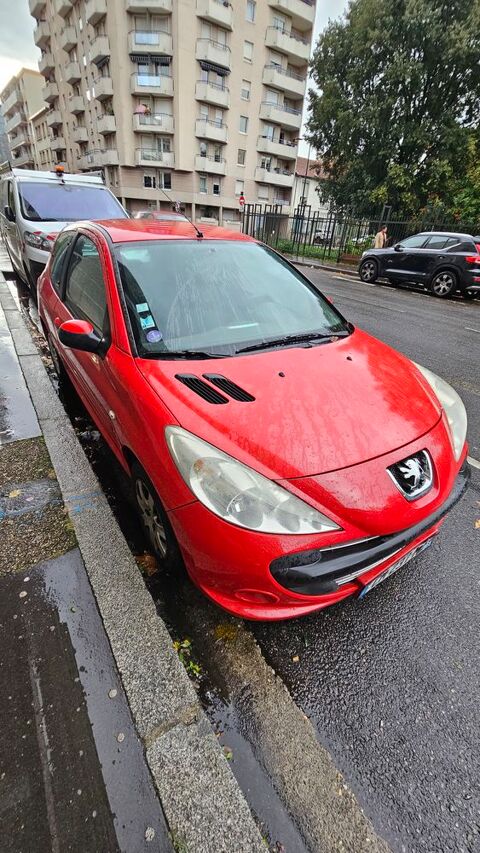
147, 564
296, 658
477, 524
15, 493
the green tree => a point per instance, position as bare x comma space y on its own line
399, 95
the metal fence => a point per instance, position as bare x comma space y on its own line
334, 238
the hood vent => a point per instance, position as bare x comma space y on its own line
198, 386
229, 387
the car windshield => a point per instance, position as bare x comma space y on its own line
218, 297
48, 202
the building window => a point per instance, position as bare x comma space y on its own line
150, 182
251, 10
241, 156
165, 180
239, 187
263, 191
203, 184
245, 90
216, 188
248, 51
243, 124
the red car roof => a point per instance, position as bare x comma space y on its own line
127, 230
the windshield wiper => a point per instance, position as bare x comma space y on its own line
188, 353
295, 339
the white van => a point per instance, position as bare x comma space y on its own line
35, 206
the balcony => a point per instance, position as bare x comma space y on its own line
37, 7
279, 178
95, 10
50, 92
54, 118
295, 46
280, 114
80, 134
215, 52
24, 159
155, 43
288, 81
46, 64
57, 143
96, 158
68, 38
21, 138
41, 34
106, 124
216, 11
156, 123
152, 157
13, 99
72, 72
212, 93
109, 157
103, 88
63, 7
284, 150
214, 130
302, 12
213, 165
151, 84
157, 7
16, 120
100, 49
76, 105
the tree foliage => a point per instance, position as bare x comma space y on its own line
398, 105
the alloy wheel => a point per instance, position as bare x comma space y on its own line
150, 517
369, 271
443, 284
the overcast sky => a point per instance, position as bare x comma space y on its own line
17, 47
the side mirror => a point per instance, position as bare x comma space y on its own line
80, 334
9, 214
398, 247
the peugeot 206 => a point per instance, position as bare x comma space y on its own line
286, 458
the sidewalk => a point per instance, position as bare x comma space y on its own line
103, 743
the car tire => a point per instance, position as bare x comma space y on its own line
368, 271
155, 523
57, 361
444, 283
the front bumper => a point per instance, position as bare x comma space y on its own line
326, 570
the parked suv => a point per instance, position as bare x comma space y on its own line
443, 262
35, 206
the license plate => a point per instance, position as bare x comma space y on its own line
395, 567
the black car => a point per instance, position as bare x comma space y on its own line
442, 262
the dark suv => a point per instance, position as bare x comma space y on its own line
442, 262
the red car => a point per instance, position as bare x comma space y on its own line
287, 458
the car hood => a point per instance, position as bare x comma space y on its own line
315, 409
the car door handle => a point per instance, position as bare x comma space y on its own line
57, 322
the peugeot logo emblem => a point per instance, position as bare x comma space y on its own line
413, 476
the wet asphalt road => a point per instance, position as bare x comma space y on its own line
392, 683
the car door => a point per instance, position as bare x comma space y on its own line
84, 297
408, 259
12, 237
436, 250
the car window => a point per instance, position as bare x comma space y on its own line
456, 245
10, 196
63, 202
438, 241
216, 295
415, 242
85, 289
60, 250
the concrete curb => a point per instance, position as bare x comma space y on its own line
202, 802
304, 262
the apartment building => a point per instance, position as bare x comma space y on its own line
21, 98
44, 155
4, 146
199, 99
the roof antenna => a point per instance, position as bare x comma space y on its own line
198, 232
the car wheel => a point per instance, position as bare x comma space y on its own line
369, 270
444, 283
57, 362
155, 523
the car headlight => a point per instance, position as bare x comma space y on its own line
453, 407
239, 494
39, 240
